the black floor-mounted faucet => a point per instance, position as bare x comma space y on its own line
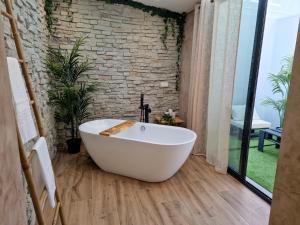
145, 110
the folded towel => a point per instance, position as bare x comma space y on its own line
46, 168
21, 101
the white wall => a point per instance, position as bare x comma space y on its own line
279, 41
244, 55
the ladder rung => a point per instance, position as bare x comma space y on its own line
21, 61
31, 155
45, 135
56, 213
43, 197
9, 16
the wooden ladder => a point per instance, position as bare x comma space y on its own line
38, 201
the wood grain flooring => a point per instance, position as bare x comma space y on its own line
196, 195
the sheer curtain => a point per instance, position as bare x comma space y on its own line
199, 75
223, 61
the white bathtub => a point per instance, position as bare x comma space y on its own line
154, 154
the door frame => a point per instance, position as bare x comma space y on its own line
254, 70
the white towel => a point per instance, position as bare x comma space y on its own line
46, 168
21, 101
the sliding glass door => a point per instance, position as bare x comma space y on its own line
246, 73
251, 33
241, 83
272, 86
267, 38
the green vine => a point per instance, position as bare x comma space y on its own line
170, 19
49, 7
179, 43
171, 29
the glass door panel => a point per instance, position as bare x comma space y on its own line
241, 83
267, 40
279, 41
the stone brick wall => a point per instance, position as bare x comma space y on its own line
125, 49
31, 22
32, 27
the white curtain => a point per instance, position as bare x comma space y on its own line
227, 14
199, 75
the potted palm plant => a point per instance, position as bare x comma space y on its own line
70, 95
280, 86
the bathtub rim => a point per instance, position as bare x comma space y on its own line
142, 141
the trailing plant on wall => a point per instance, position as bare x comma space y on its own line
171, 19
49, 7
280, 86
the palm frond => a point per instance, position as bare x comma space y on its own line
280, 85
277, 105
70, 97
281, 80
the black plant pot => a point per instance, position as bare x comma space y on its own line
74, 145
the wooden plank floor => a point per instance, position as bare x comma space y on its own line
196, 195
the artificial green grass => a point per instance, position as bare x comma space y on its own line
261, 166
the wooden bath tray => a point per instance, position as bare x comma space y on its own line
118, 128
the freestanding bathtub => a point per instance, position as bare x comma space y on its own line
145, 151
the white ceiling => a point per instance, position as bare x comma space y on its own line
173, 5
